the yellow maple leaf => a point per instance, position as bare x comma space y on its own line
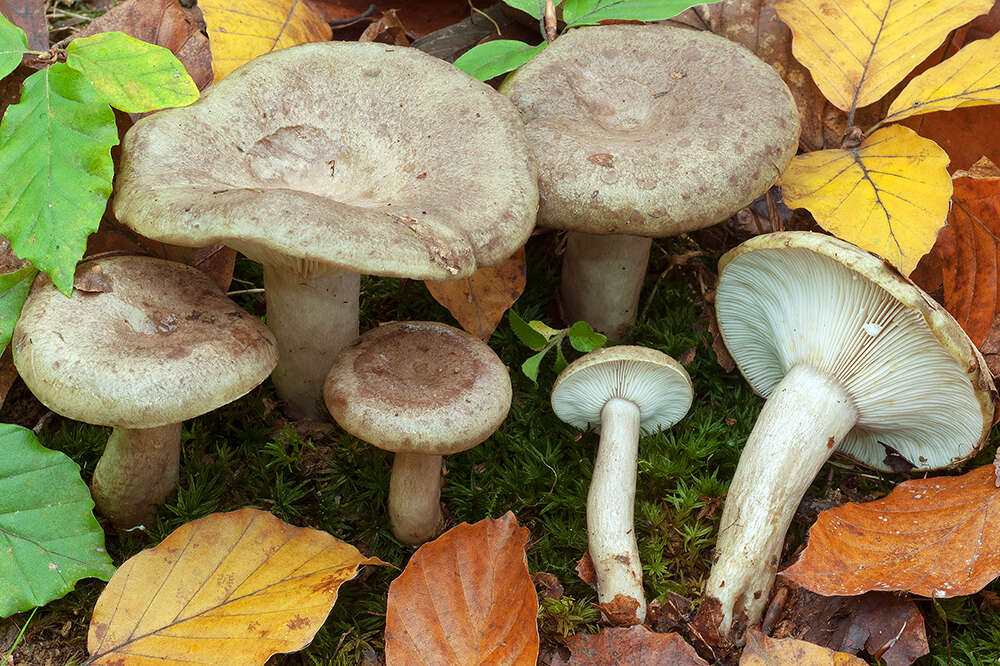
857, 51
889, 195
971, 77
239, 32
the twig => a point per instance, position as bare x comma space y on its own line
239, 292
477, 10
550, 21
343, 23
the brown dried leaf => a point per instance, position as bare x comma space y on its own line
635, 646
387, 30
620, 611
161, 22
585, 570
878, 623
420, 16
28, 15
8, 374
91, 279
763, 651
479, 301
465, 598
968, 251
934, 537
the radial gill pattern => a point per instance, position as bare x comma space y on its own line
782, 307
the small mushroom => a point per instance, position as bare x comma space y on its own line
156, 343
620, 391
421, 390
325, 161
852, 357
644, 131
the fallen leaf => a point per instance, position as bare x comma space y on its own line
465, 598
763, 651
585, 570
971, 77
420, 16
50, 536
889, 195
479, 301
858, 51
387, 30
164, 23
29, 15
879, 623
230, 588
634, 646
934, 537
8, 374
239, 34
620, 611
968, 252
91, 279
548, 585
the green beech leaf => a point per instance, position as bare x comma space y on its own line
561, 362
14, 289
527, 335
49, 538
13, 44
589, 12
583, 338
130, 74
533, 7
495, 58
530, 367
55, 157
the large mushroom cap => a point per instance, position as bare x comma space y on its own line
162, 344
361, 156
651, 130
419, 387
917, 381
657, 384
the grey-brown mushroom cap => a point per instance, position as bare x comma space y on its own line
360, 156
651, 130
918, 383
419, 387
164, 344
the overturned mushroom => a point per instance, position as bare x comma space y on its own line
388, 162
621, 391
422, 390
156, 343
852, 357
641, 132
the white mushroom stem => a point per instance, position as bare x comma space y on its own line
312, 320
610, 506
801, 424
602, 276
415, 497
139, 469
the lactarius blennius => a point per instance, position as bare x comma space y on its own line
422, 390
325, 161
640, 132
622, 392
155, 343
852, 357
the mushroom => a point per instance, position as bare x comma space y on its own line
852, 357
151, 344
327, 160
643, 131
620, 391
421, 390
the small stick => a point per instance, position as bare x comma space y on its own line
550, 20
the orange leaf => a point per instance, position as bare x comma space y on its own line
239, 32
935, 537
465, 598
763, 651
479, 301
857, 51
632, 645
968, 251
230, 588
